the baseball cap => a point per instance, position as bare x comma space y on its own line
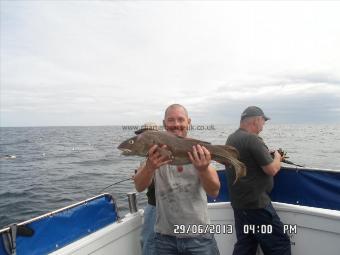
147, 126
253, 111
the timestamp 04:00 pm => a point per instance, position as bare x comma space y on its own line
268, 229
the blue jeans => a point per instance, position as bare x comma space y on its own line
171, 245
274, 243
148, 232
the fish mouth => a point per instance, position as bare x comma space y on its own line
126, 152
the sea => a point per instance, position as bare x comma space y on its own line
47, 168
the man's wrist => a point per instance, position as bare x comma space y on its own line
202, 169
148, 167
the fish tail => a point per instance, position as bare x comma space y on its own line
228, 155
230, 149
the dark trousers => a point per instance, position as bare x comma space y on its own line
252, 228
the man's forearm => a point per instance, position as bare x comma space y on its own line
210, 181
143, 177
273, 168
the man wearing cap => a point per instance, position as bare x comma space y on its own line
250, 194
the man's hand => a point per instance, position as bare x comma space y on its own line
200, 157
278, 153
145, 172
156, 159
283, 154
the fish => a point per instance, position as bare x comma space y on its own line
177, 149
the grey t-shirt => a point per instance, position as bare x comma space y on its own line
180, 199
251, 191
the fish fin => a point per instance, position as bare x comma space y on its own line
174, 135
194, 140
228, 155
177, 161
165, 152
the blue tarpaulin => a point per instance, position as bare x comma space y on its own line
60, 229
308, 187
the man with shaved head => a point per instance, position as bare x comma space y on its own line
181, 200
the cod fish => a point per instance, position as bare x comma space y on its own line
177, 149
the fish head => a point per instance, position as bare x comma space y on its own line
134, 146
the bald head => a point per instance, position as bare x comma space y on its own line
173, 106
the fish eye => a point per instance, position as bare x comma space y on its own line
131, 142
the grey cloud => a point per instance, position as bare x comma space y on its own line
286, 109
282, 81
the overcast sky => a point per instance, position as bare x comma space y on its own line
122, 62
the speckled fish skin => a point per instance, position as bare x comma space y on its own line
177, 149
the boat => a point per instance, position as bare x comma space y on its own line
306, 199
